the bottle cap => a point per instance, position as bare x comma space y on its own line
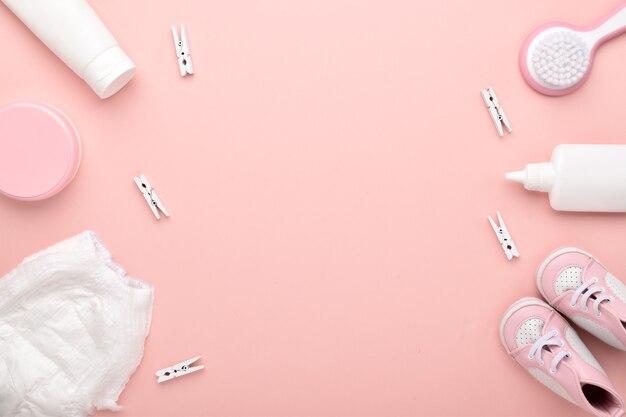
535, 177
109, 72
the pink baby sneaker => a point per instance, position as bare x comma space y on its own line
581, 288
543, 343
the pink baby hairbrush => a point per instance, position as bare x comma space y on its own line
556, 57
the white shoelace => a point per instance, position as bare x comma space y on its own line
589, 292
548, 339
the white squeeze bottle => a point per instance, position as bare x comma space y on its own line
580, 178
75, 33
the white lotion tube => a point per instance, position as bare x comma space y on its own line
73, 31
580, 178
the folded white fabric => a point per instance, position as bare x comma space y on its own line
72, 330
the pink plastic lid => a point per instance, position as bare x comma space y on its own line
39, 151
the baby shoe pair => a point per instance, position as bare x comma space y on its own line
538, 338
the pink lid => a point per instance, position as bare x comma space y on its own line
39, 151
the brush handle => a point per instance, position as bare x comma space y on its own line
614, 25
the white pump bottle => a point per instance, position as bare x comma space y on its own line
580, 178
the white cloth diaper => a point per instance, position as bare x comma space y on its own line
72, 330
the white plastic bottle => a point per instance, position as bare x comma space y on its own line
580, 178
73, 31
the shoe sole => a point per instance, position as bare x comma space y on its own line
515, 307
550, 258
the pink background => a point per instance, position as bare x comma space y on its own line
329, 169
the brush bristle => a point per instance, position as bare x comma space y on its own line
561, 58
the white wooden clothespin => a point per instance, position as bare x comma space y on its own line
151, 196
496, 111
180, 369
510, 250
182, 51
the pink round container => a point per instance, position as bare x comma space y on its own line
39, 151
